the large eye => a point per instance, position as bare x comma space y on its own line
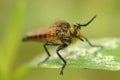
75, 27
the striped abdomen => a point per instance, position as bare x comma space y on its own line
42, 35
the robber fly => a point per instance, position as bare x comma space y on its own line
60, 31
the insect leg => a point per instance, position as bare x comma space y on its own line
48, 44
64, 61
91, 43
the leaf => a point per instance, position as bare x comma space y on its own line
20, 72
81, 55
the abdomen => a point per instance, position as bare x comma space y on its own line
42, 35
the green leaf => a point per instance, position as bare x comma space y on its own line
81, 55
20, 72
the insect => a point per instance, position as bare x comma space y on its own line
60, 31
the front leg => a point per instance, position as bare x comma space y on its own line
91, 43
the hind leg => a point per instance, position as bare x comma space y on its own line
48, 53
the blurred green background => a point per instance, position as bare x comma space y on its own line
17, 17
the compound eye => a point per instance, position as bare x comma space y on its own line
76, 26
